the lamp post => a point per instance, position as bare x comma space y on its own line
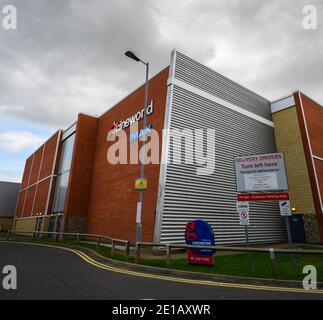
131, 55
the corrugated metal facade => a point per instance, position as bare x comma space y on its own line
194, 92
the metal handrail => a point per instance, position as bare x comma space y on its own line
271, 252
170, 246
68, 234
225, 248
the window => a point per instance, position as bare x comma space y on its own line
63, 175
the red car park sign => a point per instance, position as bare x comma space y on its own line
200, 233
255, 197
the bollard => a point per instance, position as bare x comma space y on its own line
127, 250
293, 262
168, 255
137, 258
98, 242
8, 235
113, 248
78, 238
273, 262
250, 266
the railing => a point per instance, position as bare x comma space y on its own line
272, 252
99, 239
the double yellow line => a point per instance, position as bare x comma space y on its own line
99, 265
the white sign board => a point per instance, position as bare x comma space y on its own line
138, 217
243, 211
265, 172
284, 207
260, 181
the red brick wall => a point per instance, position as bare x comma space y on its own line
33, 197
30, 193
314, 120
25, 177
41, 197
113, 200
20, 203
24, 184
36, 165
101, 191
319, 171
313, 113
48, 159
82, 166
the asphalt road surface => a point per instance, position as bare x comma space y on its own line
51, 273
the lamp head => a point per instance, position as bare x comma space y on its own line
131, 55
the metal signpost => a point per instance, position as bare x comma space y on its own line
243, 211
285, 211
262, 178
131, 55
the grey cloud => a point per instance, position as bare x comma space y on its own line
67, 55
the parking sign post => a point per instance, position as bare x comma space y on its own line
290, 243
285, 211
243, 210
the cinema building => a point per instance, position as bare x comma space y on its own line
69, 185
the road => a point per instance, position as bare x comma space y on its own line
52, 273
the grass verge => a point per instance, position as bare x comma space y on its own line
232, 265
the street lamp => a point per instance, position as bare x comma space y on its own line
131, 55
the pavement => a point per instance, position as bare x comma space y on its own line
45, 272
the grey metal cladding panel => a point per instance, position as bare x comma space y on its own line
8, 198
191, 111
206, 79
188, 196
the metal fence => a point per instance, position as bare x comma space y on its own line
168, 249
271, 251
98, 239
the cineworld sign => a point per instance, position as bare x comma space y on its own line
117, 127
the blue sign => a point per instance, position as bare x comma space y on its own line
200, 233
140, 133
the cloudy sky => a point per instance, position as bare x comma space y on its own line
66, 56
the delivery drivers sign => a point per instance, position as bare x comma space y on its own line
199, 233
264, 172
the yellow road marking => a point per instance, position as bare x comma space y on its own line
99, 265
